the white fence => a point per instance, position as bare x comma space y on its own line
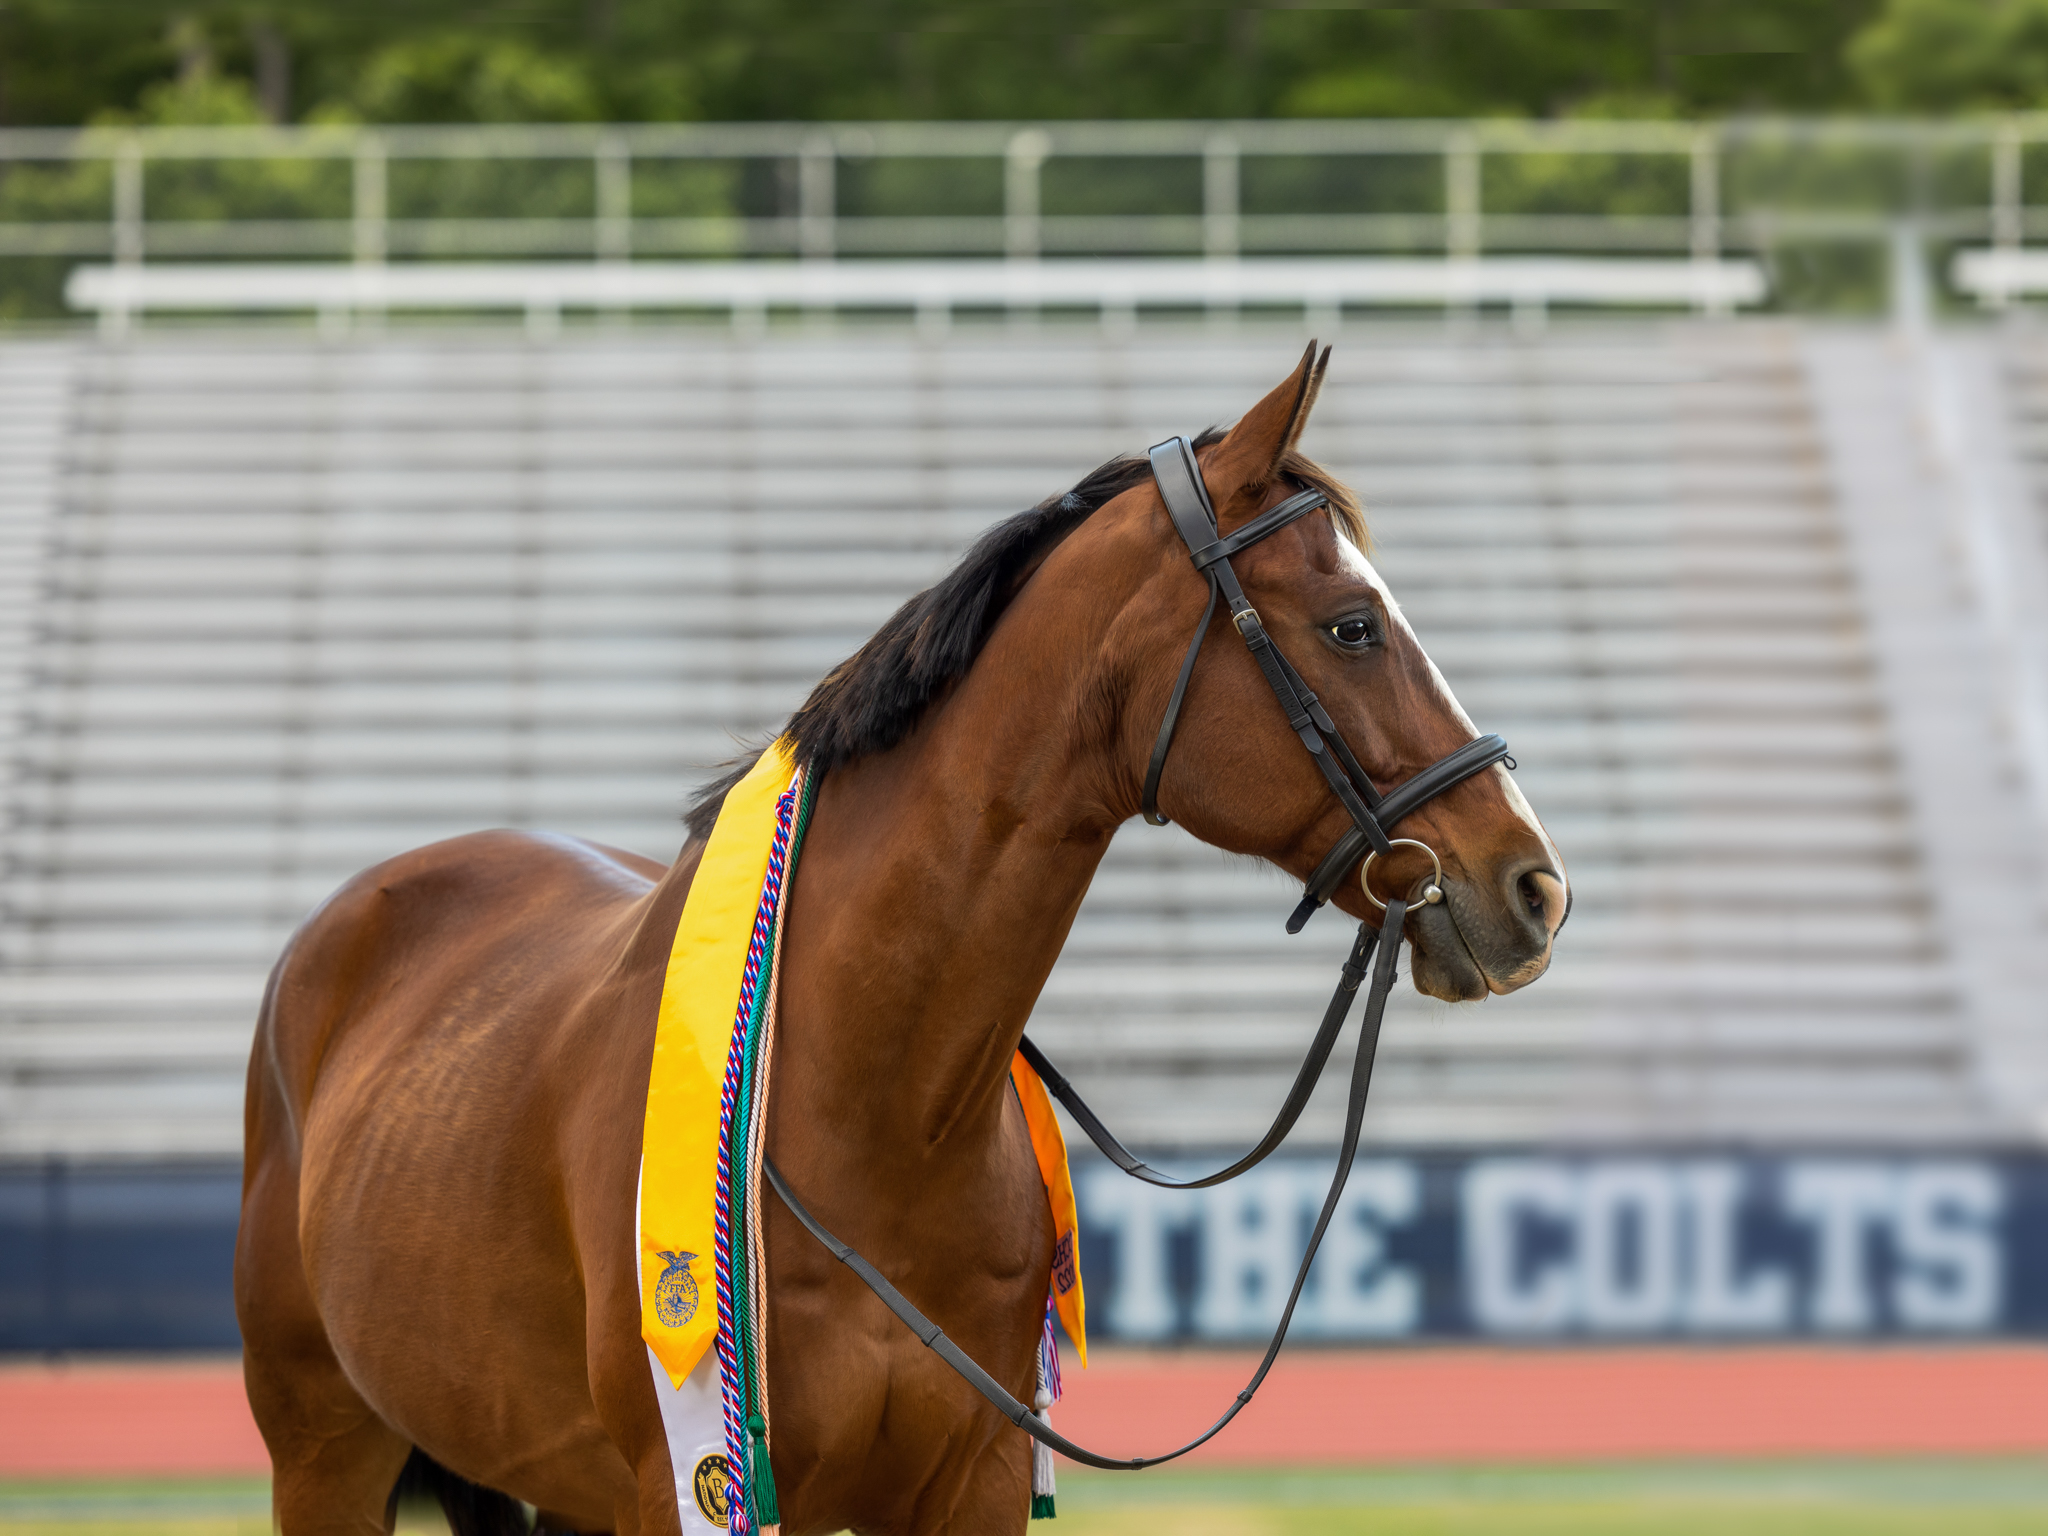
932, 290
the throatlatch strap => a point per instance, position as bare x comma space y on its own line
934, 1338
1160, 744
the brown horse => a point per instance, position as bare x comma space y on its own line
444, 1111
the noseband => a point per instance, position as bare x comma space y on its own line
1187, 500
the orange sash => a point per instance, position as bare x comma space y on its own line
1051, 1147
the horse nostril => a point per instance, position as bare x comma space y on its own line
1542, 897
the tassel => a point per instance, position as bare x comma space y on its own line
761, 1480
1041, 1466
1041, 1454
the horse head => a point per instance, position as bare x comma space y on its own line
1238, 777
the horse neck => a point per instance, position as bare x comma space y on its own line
935, 889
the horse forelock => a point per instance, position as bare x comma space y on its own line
1347, 514
876, 697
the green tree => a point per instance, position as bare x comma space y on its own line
62, 61
459, 77
1945, 55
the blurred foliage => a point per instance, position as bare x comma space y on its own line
69, 61
196, 192
1944, 55
460, 77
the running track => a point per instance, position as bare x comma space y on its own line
1458, 1405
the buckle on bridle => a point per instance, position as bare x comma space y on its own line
1240, 616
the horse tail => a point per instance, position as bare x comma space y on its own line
471, 1508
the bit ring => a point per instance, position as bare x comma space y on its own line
1431, 893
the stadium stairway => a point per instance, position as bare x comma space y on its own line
274, 608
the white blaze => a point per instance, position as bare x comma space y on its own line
1353, 560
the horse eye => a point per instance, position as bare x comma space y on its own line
1352, 634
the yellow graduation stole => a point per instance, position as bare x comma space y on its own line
700, 998
679, 1139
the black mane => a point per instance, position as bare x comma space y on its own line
873, 699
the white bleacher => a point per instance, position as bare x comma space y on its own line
933, 290
35, 398
307, 604
1996, 275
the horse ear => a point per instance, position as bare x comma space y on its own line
1245, 461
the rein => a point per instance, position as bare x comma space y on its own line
1179, 479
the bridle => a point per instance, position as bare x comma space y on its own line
1179, 479
1187, 501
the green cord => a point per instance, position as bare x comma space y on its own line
761, 1476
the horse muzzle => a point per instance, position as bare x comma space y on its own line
1488, 937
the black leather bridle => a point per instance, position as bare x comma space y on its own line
1187, 501
1179, 479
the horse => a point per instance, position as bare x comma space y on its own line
436, 1264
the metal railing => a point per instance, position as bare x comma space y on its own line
820, 191
809, 162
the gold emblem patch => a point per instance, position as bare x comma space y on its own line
675, 1293
709, 1483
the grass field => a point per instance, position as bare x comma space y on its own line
1889, 1498
1965, 1498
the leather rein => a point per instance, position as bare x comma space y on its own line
1179, 479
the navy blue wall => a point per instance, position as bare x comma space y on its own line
1531, 1244
118, 1257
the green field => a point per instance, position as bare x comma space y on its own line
1960, 1498
1871, 1498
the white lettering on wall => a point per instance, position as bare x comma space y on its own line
1610, 1245
1628, 1247
1842, 1203
1949, 1275
1356, 1292
1249, 1241
1721, 1297
1140, 1215
1251, 1246
1502, 1197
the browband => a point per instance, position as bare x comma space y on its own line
1294, 506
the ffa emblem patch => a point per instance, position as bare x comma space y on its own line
709, 1483
675, 1303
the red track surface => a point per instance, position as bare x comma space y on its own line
95, 1420
1544, 1405
138, 1420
